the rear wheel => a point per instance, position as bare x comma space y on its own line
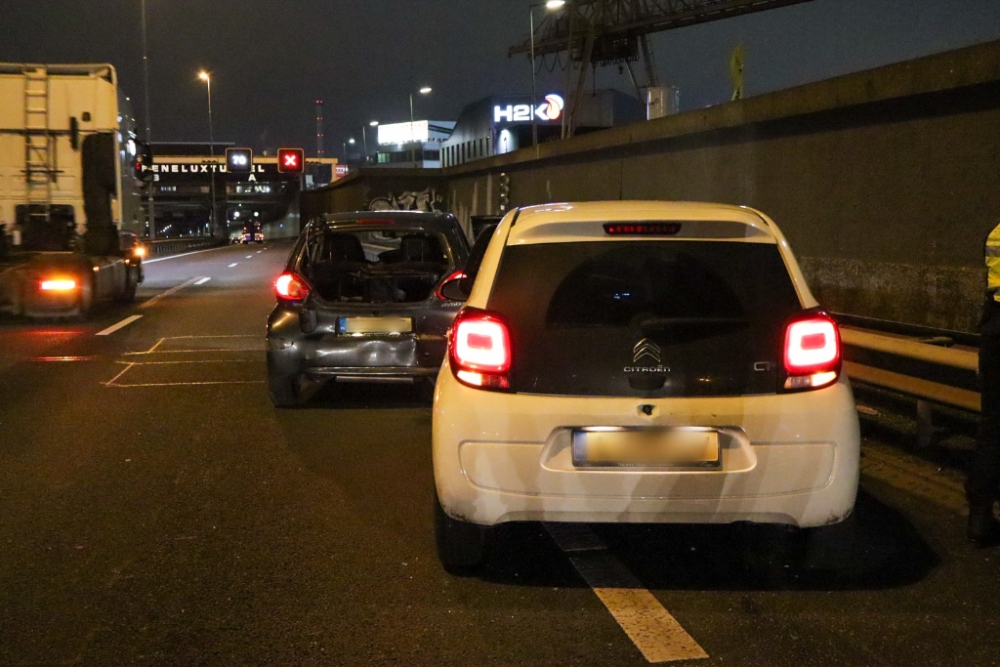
131, 284
461, 546
86, 301
283, 390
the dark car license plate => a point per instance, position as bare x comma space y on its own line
375, 325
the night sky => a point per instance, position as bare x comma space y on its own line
270, 59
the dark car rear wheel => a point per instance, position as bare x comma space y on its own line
461, 546
284, 391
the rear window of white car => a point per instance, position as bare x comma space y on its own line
644, 318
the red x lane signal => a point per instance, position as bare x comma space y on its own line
291, 160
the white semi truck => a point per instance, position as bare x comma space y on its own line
71, 173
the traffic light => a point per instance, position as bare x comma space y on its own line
239, 160
291, 160
504, 192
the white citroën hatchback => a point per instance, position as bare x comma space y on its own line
658, 362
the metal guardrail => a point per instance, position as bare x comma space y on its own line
926, 353
164, 247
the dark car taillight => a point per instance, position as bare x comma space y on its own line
290, 287
479, 349
458, 274
811, 351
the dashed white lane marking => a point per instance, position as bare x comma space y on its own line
170, 291
259, 251
121, 325
183, 254
654, 631
202, 281
233, 264
249, 256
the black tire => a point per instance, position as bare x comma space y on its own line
86, 302
461, 546
131, 285
283, 390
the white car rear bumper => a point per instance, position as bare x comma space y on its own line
508, 457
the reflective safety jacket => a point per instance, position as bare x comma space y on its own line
992, 252
989, 323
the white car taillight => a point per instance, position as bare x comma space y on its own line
479, 349
812, 351
290, 287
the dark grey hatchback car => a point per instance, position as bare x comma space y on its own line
362, 300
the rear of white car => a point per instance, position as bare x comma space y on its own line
640, 362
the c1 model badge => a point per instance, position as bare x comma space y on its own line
647, 349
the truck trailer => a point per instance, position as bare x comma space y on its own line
71, 176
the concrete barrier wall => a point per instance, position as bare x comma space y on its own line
885, 182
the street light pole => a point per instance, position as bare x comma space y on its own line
350, 141
534, 97
373, 123
204, 76
412, 157
423, 91
150, 210
551, 5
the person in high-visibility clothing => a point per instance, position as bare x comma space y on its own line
982, 486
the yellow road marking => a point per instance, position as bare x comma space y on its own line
653, 630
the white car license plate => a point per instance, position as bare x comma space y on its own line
680, 447
375, 325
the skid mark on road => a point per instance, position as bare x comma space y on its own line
918, 478
654, 631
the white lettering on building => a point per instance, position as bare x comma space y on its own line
549, 110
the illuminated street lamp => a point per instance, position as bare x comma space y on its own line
552, 6
150, 207
351, 142
426, 90
204, 76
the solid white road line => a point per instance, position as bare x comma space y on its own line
202, 281
121, 325
183, 254
170, 291
654, 631
233, 264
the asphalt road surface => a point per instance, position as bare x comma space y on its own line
155, 509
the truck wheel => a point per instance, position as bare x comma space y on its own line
131, 285
460, 545
283, 391
86, 302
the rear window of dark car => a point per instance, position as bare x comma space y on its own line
370, 263
714, 312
